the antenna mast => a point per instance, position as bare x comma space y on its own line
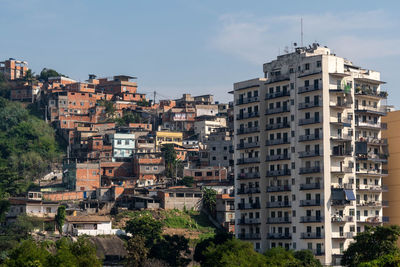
301, 23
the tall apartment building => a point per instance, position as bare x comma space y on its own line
309, 153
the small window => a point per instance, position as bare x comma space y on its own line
209, 173
198, 174
198, 195
180, 195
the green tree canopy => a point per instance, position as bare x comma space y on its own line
187, 181
60, 218
375, 243
209, 199
147, 227
218, 239
169, 154
173, 250
137, 251
46, 73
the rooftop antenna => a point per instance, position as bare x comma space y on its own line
301, 23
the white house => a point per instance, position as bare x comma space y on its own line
90, 225
123, 145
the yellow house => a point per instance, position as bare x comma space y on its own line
392, 181
166, 137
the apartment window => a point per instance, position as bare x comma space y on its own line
214, 158
293, 165
293, 213
307, 66
319, 63
93, 172
198, 174
126, 142
293, 133
119, 142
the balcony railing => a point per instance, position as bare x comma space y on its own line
249, 236
311, 219
371, 172
311, 186
318, 252
340, 170
311, 104
340, 202
248, 206
311, 235
247, 115
372, 187
247, 160
279, 204
373, 157
342, 122
310, 137
310, 88
340, 89
278, 188
310, 121
247, 145
373, 141
305, 170
371, 125
275, 126
248, 175
249, 221
278, 220
345, 153
374, 219
381, 111
311, 153
253, 190
370, 92
248, 130
279, 236
283, 172
342, 137
247, 100
343, 235
278, 157
311, 202
343, 219
277, 142
371, 203
340, 105
277, 94
277, 110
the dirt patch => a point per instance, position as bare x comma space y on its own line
190, 234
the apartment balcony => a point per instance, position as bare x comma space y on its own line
342, 219
311, 104
311, 186
340, 105
344, 153
308, 121
249, 221
247, 100
248, 130
284, 172
247, 115
310, 88
371, 125
248, 175
310, 137
373, 141
343, 235
277, 110
341, 170
279, 236
249, 206
280, 141
311, 202
311, 219
278, 157
342, 138
311, 153
254, 236
279, 204
383, 158
306, 170
371, 203
340, 89
371, 172
374, 219
340, 202
318, 252
253, 190
247, 145
279, 220
341, 122
247, 161
343, 186
279, 188
275, 126
370, 93
372, 188
311, 235
380, 111
277, 95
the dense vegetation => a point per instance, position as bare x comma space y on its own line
27, 148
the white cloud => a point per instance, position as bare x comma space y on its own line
361, 35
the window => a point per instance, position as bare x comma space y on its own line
209, 173
307, 66
319, 63
198, 174
126, 142
180, 195
119, 142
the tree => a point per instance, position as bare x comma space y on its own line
375, 243
4, 206
137, 251
169, 154
45, 74
145, 226
233, 253
60, 218
209, 199
28, 253
85, 253
280, 257
109, 107
63, 256
219, 238
173, 250
306, 258
187, 181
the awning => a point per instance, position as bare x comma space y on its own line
349, 194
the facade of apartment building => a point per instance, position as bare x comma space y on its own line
167, 137
204, 127
123, 145
308, 145
13, 69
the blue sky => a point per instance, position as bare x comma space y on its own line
199, 47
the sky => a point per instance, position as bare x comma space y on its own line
197, 47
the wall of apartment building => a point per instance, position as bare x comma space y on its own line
180, 199
60, 196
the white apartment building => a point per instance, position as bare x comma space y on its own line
309, 153
123, 145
